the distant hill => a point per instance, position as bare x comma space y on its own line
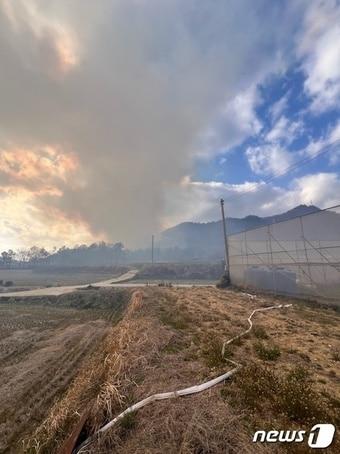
206, 239
187, 242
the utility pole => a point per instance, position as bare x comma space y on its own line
226, 249
152, 248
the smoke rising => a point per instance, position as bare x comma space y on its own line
128, 87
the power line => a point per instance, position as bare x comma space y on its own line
324, 150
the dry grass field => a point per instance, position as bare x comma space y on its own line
171, 338
43, 343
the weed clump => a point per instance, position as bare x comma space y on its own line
267, 353
292, 395
253, 385
297, 398
260, 333
212, 353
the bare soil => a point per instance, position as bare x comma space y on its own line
43, 344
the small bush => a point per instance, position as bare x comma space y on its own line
212, 353
260, 333
297, 398
292, 395
8, 283
267, 353
254, 384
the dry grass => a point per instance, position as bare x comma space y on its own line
171, 338
292, 396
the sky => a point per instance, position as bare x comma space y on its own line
120, 118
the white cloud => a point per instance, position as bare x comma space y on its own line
284, 131
271, 157
335, 133
236, 121
242, 109
319, 46
277, 109
331, 141
319, 189
268, 159
199, 201
278, 131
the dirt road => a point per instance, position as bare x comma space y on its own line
56, 291
120, 281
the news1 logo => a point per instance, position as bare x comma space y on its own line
320, 436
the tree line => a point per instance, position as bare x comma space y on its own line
99, 254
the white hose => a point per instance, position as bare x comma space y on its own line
186, 391
251, 324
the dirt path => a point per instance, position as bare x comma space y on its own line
56, 291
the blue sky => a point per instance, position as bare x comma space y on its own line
293, 115
120, 118
282, 97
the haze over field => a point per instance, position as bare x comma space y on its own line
121, 118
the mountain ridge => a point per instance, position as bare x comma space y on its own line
192, 235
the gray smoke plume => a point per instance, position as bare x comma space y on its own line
129, 87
